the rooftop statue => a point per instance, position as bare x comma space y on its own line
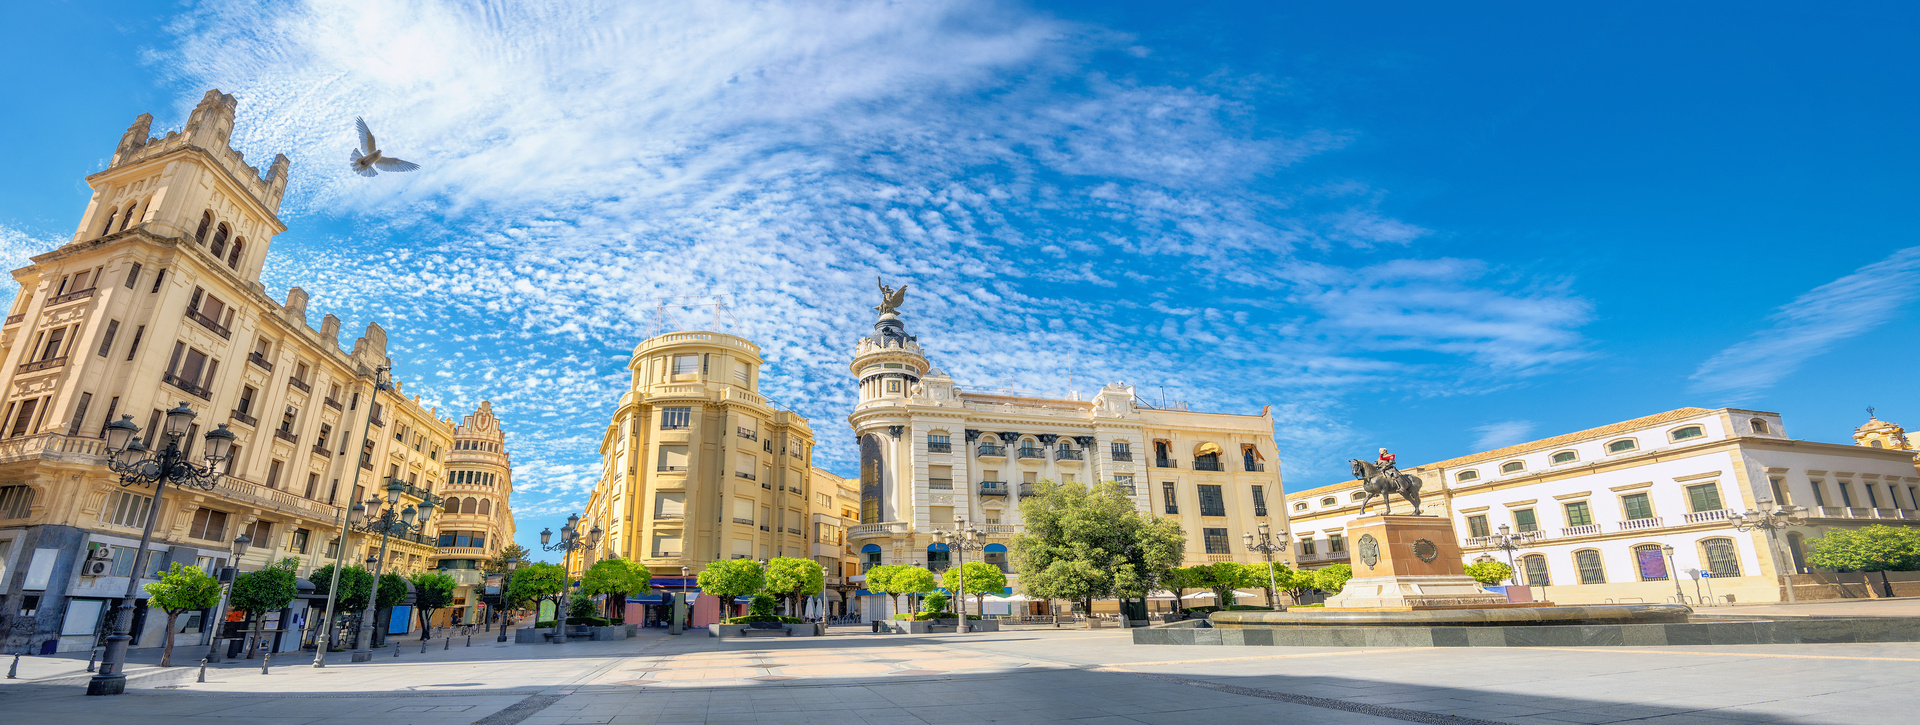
890, 298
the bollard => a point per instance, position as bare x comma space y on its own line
469, 638
449, 644
13, 673
92, 657
396, 650
423, 645
265, 660
203, 670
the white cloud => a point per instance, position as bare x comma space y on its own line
582, 163
1811, 325
1502, 434
17, 247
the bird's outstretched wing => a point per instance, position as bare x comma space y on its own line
392, 165
366, 135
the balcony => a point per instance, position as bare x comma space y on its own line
244, 418
939, 446
210, 323
767, 486
407, 488
887, 528
1583, 530
1640, 524
764, 527
792, 530
304, 386
320, 450
45, 365
1256, 467
739, 520
1069, 454
465, 577
940, 484
1123, 456
1701, 517
186, 385
1032, 453
994, 451
670, 469
995, 529
331, 403
668, 516
1166, 463
378, 421
745, 475
15, 319
747, 434
1207, 464
1028, 489
260, 361
1839, 512
71, 296
993, 488
285, 435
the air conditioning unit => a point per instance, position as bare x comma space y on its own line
96, 567
100, 553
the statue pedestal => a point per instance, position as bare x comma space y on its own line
1409, 562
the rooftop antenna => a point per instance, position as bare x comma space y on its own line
723, 319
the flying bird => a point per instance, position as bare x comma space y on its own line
368, 157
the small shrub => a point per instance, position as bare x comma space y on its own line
762, 606
903, 616
934, 603
543, 624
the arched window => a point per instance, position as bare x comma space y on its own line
470, 506
1623, 445
1760, 426
869, 557
1467, 476
1359, 495
1565, 457
1875, 444
996, 555
111, 215
1329, 501
206, 222
486, 507
1588, 561
1721, 557
453, 505
1513, 466
1650, 562
220, 234
127, 221
1681, 434
938, 558
233, 257
1535, 565
1300, 506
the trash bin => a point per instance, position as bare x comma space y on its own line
876, 626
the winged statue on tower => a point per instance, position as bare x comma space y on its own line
890, 298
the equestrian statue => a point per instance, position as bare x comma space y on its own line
1383, 478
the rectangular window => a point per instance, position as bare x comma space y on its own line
1873, 500
126, 508
1259, 501
1779, 491
1637, 506
299, 541
260, 532
1846, 493
313, 484
676, 418
938, 443
133, 275
113, 406
1578, 514
669, 505
138, 332
54, 339
1212, 503
24, 419
1173, 505
209, 525
1819, 495
1216, 540
1336, 543
1306, 547
79, 414
1524, 521
106, 339
273, 474
686, 365
1477, 526
666, 546
1704, 497
123, 557
158, 278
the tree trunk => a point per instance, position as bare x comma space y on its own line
426, 622
166, 651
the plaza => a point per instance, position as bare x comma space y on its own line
1037, 674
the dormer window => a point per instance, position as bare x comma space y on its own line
1565, 457
1513, 467
1623, 445
1760, 426
1681, 434
1329, 501
1465, 476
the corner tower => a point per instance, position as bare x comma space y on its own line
889, 365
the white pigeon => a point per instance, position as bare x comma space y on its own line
368, 157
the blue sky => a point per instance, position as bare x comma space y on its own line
1430, 228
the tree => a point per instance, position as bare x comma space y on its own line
1084, 543
534, 582
508, 554
356, 583
431, 590
1222, 578
1489, 573
982, 579
1878, 548
1274, 580
935, 603
794, 579
731, 579
616, 578
1182, 579
269, 589
181, 588
1297, 582
579, 606
913, 580
1331, 579
880, 581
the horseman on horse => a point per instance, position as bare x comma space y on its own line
1382, 478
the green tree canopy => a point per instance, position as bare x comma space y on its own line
431, 590
1331, 579
1222, 577
732, 578
266, 590
181, 588
356, 583
393, 589
1871, 548
1273, 580
880, 581
912, 580
534, 582
1084, 543
982, 579
509, 553
1489, 573
934, 603
794, 579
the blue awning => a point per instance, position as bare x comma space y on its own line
996, 547
936, 547
869, 548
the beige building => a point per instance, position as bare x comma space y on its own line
931, 452
156, 301
697, 465
1318, 518
475, 521
833, 506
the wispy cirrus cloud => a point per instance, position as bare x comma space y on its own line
1811, 325
1502, 434
1063, 225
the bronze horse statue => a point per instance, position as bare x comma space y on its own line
1376, 480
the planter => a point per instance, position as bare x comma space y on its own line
609, 634
530, 635
725, 630
633, 630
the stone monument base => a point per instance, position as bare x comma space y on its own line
1412, 591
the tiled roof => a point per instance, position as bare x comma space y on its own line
1561, 440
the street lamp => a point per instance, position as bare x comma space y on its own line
227, 576
1673, 574
1266, 546
1773, 518
382, 380
963, 539
570, 541
506, 582
390, 521
127, 456
1510, 542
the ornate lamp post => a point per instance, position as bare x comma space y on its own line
1773, 518
963, 539
227, 575
1673, 574
388, 522
127, 456
506, 606
570, 541
1266, 546
1510, 542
